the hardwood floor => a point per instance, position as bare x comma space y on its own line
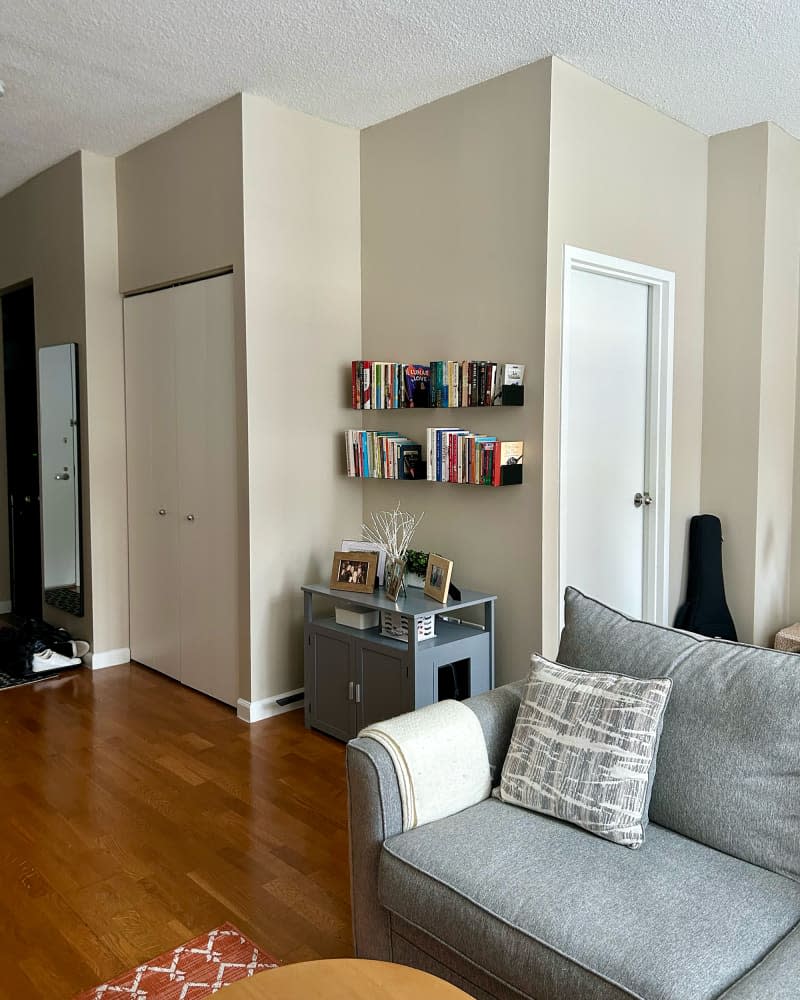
136, 814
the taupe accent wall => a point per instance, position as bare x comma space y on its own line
454, 257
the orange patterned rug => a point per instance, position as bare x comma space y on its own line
197, 969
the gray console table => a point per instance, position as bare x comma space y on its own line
354, 677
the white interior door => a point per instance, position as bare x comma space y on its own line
205, 390
151, 418
605, 439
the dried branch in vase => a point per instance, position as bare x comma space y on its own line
393, 529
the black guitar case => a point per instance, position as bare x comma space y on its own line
705, 610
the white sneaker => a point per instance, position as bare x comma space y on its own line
79, 647
48, 660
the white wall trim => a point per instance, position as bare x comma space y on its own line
266, 708
108, 658
6, 607
660, 391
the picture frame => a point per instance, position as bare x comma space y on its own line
359, 545
354, 571
437, 578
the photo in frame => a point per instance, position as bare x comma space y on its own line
354, 571
437, 578
358, 545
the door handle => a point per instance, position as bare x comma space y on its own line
350, 691
61, 475
642, 499
358, 693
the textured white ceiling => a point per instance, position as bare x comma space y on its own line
106, 74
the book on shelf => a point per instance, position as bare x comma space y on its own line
507, 453
391, 385
382, 455
417, 385
456, 455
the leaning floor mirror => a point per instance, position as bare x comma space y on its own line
59, 451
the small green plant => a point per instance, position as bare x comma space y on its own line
417, 562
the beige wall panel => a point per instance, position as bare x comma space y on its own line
180, 200
776, 454
302, 259
626, 181
454, 221
105, 518
732, 373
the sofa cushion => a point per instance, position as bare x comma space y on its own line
555, 912
729, 761
584, 749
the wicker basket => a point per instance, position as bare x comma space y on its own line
395, 626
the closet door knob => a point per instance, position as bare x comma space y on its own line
190, 517
162, 512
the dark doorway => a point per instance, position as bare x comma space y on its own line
22, 451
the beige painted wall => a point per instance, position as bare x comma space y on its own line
104, 461
751, 369
629, 182
776, 456
180, 201
454, 222
41, 238
302, 277
734, 288
180, 215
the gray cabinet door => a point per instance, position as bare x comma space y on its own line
329, 674
384, 689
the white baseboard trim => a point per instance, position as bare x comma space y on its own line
5, 607
266, 708
108, 658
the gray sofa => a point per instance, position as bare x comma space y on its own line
506, 903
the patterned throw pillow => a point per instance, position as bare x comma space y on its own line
584, 749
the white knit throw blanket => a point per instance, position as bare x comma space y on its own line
439, 755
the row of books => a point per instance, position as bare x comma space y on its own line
383, 455
455, 455
392, 385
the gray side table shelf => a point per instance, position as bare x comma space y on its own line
355, 677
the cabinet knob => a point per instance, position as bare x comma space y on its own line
162, 511
190, 517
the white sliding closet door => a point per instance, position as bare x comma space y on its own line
205, 391
182, 459
151, 421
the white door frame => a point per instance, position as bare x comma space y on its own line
658, 431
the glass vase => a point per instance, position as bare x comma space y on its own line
393, 576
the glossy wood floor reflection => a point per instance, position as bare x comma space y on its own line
135, 814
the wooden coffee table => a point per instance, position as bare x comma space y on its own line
343, 979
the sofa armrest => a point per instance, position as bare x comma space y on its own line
497, 712
776, 976
375, 812
374, 815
